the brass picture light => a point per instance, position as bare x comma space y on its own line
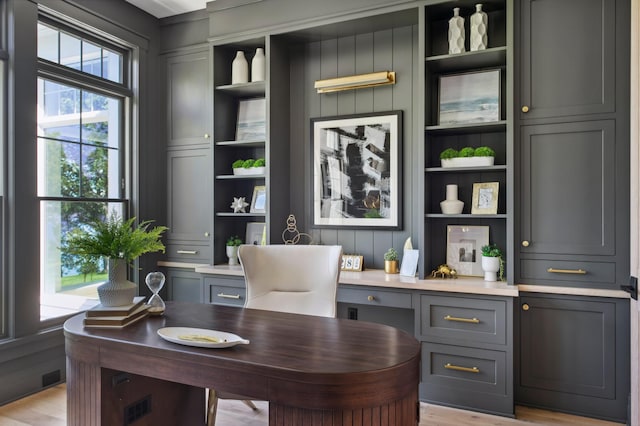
359, 81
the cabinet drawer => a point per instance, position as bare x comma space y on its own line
225, 291
465, 319
538, 271
189, 253
369, 296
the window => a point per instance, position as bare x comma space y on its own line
81, 153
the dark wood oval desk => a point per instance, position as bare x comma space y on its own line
312, 370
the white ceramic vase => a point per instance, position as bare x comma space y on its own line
258, 65
490, 266
117, 291
232, 254
456, 32
478, 30
452, 205
239, 69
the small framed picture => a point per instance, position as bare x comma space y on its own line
251, 125
255, 234
471, 97
464, 248
485, 198
351, 262
259, 200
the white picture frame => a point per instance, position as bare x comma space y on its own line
409, 265
255, 234
259, 199
464, 248
485, 198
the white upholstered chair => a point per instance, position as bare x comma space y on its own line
286, 278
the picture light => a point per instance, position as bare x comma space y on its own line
359, 81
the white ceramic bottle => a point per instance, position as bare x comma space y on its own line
258, 65
452, 205
239, 69
478, 31
456, 32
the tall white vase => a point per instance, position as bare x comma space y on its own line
456, 32
258, 65
239, 69
117, 291
452, 205
478, 31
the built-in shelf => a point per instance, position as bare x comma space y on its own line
240, 176
231, 214
247, 144
467, 128
254, 88
466, 169
492, 57
465, 216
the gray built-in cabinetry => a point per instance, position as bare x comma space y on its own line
572, 145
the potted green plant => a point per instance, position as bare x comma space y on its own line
492, 262
120, 242
258, 167
237, 167
391, 261
467, 157
233, 243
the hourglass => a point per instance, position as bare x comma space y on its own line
155, 282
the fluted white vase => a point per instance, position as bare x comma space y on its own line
478, 30
258, 65
452, 205
239, 69
456, 32
117, 291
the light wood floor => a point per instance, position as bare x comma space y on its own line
48, 408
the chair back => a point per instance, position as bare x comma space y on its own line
292, 278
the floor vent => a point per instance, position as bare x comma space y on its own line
137, 410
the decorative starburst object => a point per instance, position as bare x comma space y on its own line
239, 204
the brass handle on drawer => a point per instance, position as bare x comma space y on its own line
471, 320
371, 298
186, 252
567, 271
525, 108
229, 296
458, 368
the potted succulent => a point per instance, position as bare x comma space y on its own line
233, 243
391, 261
248, 166
121, 242
237, 167
492, 262
467, 157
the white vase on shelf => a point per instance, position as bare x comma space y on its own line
490, 266
239, 69
478, 30
452, 205
258, 65
456, 32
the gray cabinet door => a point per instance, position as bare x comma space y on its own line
568, 57
574, 355
184, 286
189, 99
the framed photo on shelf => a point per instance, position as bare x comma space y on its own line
356, 171
352, 262
251, 125
467, 98
485, 198
256, 234
259, 200
464, 248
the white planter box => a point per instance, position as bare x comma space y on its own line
241, 171
467, 162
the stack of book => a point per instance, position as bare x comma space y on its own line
116, 316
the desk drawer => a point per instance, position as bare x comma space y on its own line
189, 253
465, 319
585, 273
372, 296
224, 295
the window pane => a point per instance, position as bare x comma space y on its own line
60, 166
112, 65
68, 283
91, 59
47, 43
69, 51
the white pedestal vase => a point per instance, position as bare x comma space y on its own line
451, 205
239, 69
456, 32
117, 291
478, 30
258, 65
232, 254
490, 266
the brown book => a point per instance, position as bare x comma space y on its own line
115, 311
117, 321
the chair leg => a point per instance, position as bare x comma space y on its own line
250, 404
212, 407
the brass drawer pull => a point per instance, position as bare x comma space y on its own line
371, 298
567, 271
186, 252
229, 296
471, 320
458, 368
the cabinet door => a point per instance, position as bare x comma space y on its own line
568, 60
189, 99
574, 354
184, 286
567, 192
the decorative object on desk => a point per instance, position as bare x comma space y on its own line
201, 337
239, 204
478, 29
485, 198
444, 271
356, 171
155, 282
409, 264
121, 243
140, 311
451, 205
259, 199
233, 243
291, 235
456, 32
469, 98
258, 65
352, 263
239, 69
492, 262
251, 125
391, 261
255, 234
463, 248
467, 157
